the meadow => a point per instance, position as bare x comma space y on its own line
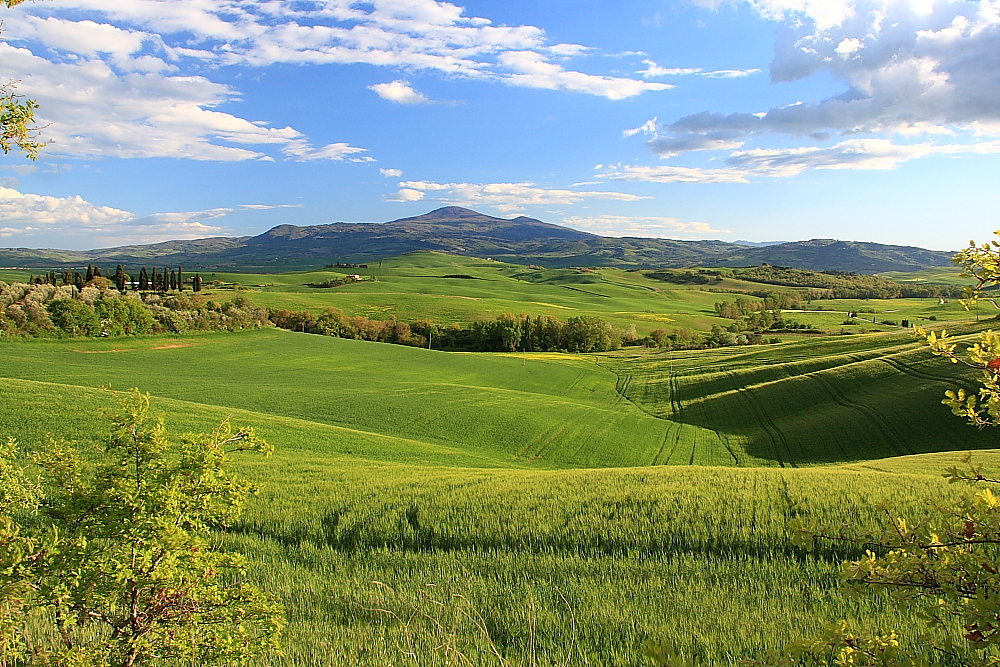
451, 289
516, 508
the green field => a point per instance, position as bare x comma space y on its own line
450, 289
534, 486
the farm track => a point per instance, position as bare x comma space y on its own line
873, 415
774, 433
906, 368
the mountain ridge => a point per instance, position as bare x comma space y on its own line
463, 231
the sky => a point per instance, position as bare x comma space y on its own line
761, 120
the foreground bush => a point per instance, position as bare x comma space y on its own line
110, 562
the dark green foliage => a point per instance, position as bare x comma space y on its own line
74, 318
124, 316
679, 277
506, 333
143, 279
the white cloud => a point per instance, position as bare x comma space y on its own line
533, 70
402, 34
909, 68
653, 71
852, 154
405, 195
400, 92
646, 227
856, 154
667, 174
74, 220
391, 173
266, 207
649, 127
505, 197
93, 111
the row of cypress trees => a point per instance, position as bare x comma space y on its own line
163, 281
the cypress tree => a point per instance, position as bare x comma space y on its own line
66, 278
52, 277
78, 280
197, 282
180, 278
120, 278
90, 273
144, 279
173, 280
97, 272
165, 280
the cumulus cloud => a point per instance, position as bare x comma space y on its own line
532, 70
928, 68
854, 154
391, 173
400, 92
401, 34
91, 110
77, 222
505, 197
645, 227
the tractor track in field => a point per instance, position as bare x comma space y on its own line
534, 457
537, 439
663, 445
873, 415
724, 439
766, 423
624, 387
675, 401
907, 369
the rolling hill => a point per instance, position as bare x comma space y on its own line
462, 231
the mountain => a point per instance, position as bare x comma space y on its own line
465, 232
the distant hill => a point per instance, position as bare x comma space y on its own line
465, 232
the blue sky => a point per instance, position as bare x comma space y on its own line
874, 120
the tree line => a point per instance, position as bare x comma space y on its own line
46, 310
506, 333
166, 280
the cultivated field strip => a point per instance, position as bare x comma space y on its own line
819, 401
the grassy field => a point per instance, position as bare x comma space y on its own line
543, 506
449, 288
561, 566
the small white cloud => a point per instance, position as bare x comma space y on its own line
533, 70
400, 92
405, 195
848, 47
653, 70
649, 227
267, 207
507, 197
649, 127
667, 174
391, 173
303, 151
